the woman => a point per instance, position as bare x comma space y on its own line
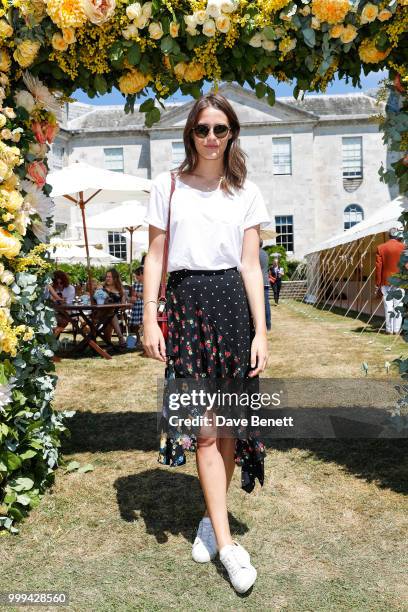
136, 317
116, 295
275, 276
61, 292
214, 236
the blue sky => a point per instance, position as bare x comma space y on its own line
337, 87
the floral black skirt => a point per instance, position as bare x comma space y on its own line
210, 335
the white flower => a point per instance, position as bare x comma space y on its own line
223, 23
133, 11
209, 27
147, 9
5, 297
6, 277
268, 45
24, 99
5, 396
256, 40
214, 8
190, 20
229, 6
155, 30
141, 21
200, 17
192, 31
130, 31
36, 202
41, 93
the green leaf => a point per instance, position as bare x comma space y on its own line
12, 461
100, 84
310, 37
147, 105
260, 90
271, 96
21, 484
153, 116
134, 54
269, 33
72, 466
167, 44
24, 500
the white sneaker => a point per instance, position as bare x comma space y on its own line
205, 544
237, 562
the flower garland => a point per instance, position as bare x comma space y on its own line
49, 46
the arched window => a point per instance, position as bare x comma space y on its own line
353, 214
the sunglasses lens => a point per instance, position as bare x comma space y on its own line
220, 130
202, 130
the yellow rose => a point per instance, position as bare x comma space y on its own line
174, 29
133, 11
7, 217
6, 134
9, 245
384, 15
68, 34
5, 60
29, 334
66, 13
155, 30
58, 42
194, 72
6, 277
5, 29
11, 183
3, 120
349, 33
21, 222
223, 23
180, 69
26, 52
369, 13
133, 81
337, 30
11, 200
5, 171
331, 11
369, 53
5, 297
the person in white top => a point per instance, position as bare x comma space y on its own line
215, 307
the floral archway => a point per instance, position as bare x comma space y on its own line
49, 49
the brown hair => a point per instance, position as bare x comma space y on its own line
234, 158
62, 276
116, 280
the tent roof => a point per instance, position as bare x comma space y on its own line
380, 221
129, 214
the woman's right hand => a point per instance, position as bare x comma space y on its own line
153, 341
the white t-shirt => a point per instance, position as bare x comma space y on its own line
206, 227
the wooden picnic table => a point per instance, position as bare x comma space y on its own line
96, 318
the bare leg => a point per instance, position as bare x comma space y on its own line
214, 483
226, 447
116, 327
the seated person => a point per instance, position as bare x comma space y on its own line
116, 295
61, 292
136, 317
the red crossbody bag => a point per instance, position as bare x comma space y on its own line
161, 303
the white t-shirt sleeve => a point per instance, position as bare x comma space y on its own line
256, 213
158, 206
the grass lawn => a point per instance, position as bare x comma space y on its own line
328, 531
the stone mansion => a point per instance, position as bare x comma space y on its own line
316, 161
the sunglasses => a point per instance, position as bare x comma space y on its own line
202, 130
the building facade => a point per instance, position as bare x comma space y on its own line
316, 161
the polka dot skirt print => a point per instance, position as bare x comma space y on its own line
210, 334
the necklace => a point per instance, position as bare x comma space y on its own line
211, 188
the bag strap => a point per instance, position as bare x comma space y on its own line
162, 292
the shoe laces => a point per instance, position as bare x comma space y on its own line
236, 559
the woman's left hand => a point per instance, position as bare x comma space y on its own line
259, 354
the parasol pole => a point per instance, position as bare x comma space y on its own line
88, 261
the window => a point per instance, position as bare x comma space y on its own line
57, 157
177, 153
353, 214
61, 228
282, 156
352, 157
284, 227
117, 245
114, 159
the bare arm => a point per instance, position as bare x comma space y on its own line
253, 282
153, 338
